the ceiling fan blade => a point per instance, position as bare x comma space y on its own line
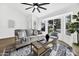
43, 4
27, 4
42, 8
33, 10
28, 8
38, 10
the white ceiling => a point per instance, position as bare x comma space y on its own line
52, 8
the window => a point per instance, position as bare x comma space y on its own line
57, 25
68, 20
50, 26
42, 26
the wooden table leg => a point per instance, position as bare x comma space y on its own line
31, 47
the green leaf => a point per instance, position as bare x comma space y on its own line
74, 27
77, 19
74, 16
78, 31
71, 30
78, 14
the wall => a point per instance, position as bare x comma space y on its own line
6, 14
38, 22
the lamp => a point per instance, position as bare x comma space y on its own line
35, 7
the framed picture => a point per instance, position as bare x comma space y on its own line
11, 23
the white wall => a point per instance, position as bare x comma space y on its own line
34, 19
38, 22
6, 14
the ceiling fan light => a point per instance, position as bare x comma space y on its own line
35, 6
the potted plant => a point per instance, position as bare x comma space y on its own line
74, 26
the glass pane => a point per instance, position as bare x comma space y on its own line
68, 20
50, 26
57, 25
42, 26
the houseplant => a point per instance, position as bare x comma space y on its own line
74, 26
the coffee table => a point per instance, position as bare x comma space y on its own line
38, 48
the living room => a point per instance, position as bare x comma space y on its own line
24, 30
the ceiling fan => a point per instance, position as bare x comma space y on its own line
36, 6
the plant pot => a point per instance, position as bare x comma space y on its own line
77, 37
74, 37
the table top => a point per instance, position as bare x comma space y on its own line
37, 44
40, 48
